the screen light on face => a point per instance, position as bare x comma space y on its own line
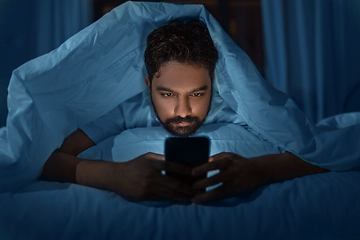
181, 96
182, 126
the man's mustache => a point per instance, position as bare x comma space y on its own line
178, 119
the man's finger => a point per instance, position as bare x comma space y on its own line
173, 189
210, 196
211, 181
171, 167
203, 169
218, 156
171, 194
176, 185
155, 156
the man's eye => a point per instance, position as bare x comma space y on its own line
197, 94
167, 94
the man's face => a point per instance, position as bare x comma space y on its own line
181, 95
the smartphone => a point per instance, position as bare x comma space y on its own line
189, 151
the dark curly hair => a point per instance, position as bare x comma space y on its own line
187, 41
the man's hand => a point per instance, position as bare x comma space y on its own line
141, 179
136, 180
241, 176
238, 175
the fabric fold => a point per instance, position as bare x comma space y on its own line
103, 65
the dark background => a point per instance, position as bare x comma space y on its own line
22, 31
241, 19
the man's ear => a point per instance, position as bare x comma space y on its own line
148, 83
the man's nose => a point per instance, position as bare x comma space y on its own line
183, 107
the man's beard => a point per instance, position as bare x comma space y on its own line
170, 125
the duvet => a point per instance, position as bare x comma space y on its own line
101, 67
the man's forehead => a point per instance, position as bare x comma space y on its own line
182, 75
198, 89
181, 86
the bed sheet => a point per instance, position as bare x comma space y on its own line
224, 137
322, 206
103, 66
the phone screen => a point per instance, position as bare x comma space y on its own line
190, 151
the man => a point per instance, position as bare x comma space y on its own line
180, 60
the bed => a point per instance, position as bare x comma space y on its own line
101, 67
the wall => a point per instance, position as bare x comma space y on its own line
30, 28
17, 42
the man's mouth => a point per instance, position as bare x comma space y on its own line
183, 124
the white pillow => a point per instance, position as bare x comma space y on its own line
224, 137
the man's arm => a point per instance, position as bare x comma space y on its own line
62, 164
136, 180
240, 175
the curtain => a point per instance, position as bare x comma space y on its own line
57, 20
313, 53
32, 28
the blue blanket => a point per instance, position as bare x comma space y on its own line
103, 66
320, 206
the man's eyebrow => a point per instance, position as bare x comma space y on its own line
164, 89
203, 88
